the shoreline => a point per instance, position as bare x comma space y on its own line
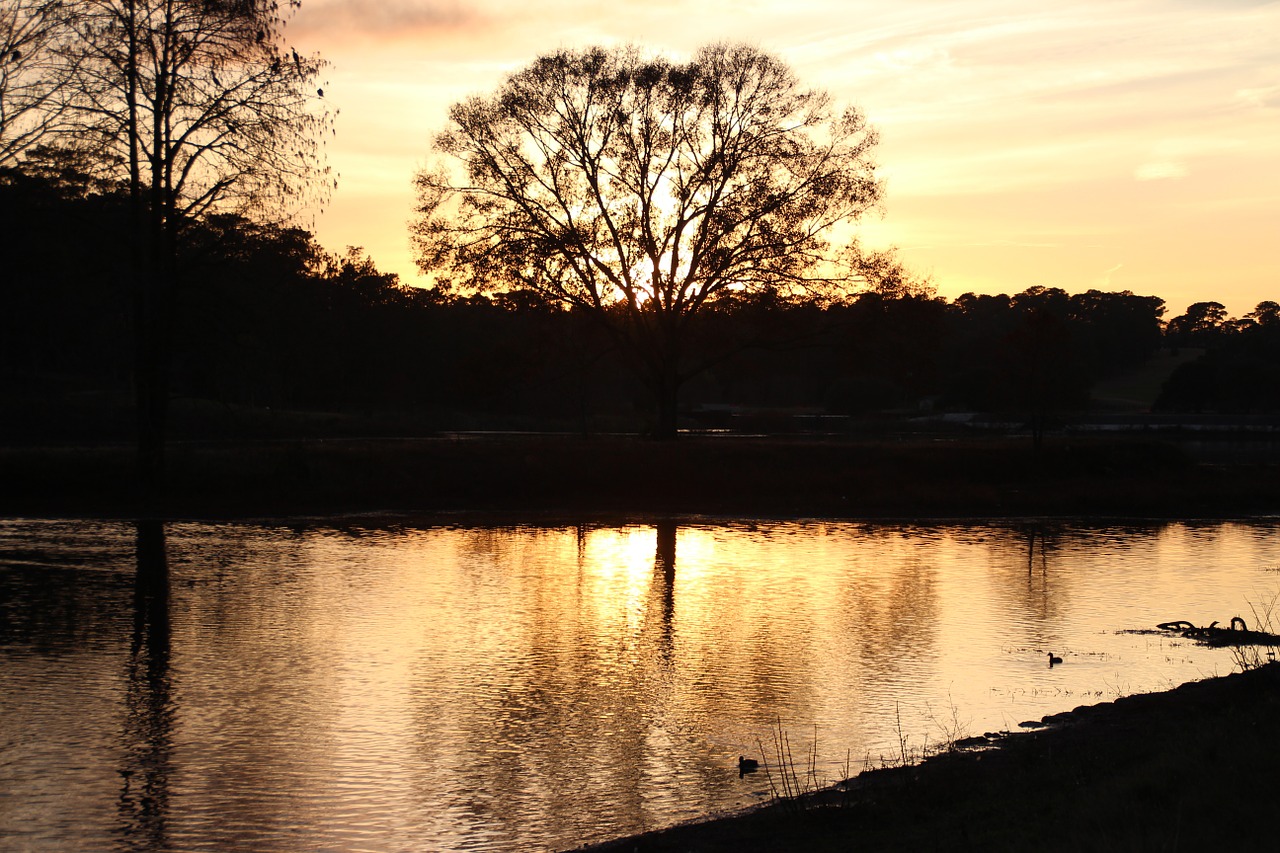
1185, 769
921, 478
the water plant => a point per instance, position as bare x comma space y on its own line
950, 727
1264, 611
788, 785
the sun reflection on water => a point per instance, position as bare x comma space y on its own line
473, 687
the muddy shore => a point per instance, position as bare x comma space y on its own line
1189, 769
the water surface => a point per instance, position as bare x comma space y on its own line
496, 687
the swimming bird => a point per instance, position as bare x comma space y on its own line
1054, 659
747, 765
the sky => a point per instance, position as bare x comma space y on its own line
1110, 144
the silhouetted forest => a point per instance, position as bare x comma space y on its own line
269, 326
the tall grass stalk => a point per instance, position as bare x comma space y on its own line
950, 727
789, 784
1264, 612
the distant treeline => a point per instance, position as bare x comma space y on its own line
268, 319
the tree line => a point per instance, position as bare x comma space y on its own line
267, 318
613, 238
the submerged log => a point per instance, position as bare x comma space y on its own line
1237, 635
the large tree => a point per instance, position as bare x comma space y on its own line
644, 190
204, 109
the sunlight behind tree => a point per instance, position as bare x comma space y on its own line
643, 190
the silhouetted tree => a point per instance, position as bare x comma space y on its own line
1265, 314
1117, 331
644, 190
207, 110
1201, 326
889, 351
1043, 374
268, 321
1037, 353
1239, 372
972, 350
62, 318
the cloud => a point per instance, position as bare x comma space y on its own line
1158, 170
1263, 97
1104, 280
1172, 155
913, 60
386, 18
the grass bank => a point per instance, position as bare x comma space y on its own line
863, 478
1190, 769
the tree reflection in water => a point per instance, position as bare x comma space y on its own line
664, 576
147, 736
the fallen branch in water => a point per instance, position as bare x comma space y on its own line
1237, 635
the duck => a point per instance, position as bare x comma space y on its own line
747, 765
1054, 659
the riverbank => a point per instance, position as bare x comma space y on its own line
1189, 769
955, 477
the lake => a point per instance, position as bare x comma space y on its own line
360, 684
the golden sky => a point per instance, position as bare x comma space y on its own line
1112, 144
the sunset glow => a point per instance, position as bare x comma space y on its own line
1121, 146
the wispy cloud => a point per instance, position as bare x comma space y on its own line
1023, 141
1104, 280
1263, 97
401, 19
1171, 157
1158, 170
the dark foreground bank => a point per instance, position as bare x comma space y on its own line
852, 478
1191, 769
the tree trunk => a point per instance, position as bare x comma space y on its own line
156, 219
153, 310
667, 392
151, 376
147, 413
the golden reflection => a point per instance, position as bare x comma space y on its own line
619, 566
1032, 584
520, 688
262, 678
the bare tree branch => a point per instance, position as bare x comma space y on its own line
643, 190
35, 69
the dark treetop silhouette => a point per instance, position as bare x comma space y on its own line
267, 322
644, 190
199, 108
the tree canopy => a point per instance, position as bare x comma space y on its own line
642, 190
204, 102
196, 109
